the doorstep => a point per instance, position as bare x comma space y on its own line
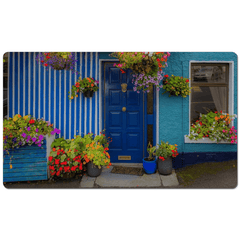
113, 180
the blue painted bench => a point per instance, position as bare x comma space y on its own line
29, 163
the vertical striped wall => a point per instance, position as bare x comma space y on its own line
43, 93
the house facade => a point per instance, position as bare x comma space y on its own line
131, 119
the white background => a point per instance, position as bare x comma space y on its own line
119, 26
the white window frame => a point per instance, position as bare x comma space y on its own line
230, 100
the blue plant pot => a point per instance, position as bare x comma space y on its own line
149, 166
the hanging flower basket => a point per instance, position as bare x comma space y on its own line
57, 60
176, 86
87, 86
146, 67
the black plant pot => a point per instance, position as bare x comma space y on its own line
88, 94
165, 167
93, 170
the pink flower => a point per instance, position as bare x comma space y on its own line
232, 141
120, 65
232, 137
135, 52
230, 132
143, 56
223, 130
114, 64
122, 52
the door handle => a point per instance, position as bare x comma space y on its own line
124, 109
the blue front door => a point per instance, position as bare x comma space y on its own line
123, 116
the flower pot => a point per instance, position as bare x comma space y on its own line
93, 170
88, 94
149, 166
165, 167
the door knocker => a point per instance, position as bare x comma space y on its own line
124, 87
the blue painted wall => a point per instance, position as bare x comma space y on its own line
174, 111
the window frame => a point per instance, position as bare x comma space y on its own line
230, 97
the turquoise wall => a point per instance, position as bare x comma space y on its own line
174, 111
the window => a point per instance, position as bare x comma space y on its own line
210, 88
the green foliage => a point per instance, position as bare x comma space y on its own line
19, 131
83, 85
166, 150
151, 150
215, 126
141, 62
176, 86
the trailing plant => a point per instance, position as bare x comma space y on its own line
176, 86
83, 85
144, 83
146, 67
215, 126
166, 150
151, 151
57, 60
66, 158
19, 131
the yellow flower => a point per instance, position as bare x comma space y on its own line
175, 145
19, 115
25, 117
10, 166
76, 95
71, 97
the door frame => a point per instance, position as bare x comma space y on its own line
145, 116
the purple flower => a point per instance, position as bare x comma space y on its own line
20, 143
39, 145
14, 139
52, 132
28, 128
24, 135
36, 129
41, 137
34, 139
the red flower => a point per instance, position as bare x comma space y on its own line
64, 163
200, 123
166, 76
48, 57
158, 59
80, 167
50, 158
122, 71
45, 64
57, 161
162, 158
67, 169
60, 169
173, 151
58, 173
31, 121
58, 153
53, 173
42, 61
187, 80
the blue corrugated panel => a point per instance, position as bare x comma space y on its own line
28, 163
43, 93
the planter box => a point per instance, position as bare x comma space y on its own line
29, 163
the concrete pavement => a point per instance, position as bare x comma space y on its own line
113, 180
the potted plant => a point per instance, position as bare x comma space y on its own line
176, 86
19, 131
165, 152
26, 142
65, 160
215, 126
150, 163
146, 67
86, 85
95, 154
57, 60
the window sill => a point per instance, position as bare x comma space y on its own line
203, 140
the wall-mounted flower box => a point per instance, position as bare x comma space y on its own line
27, 163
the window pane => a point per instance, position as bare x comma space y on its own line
150, 134
209, 74
205, 99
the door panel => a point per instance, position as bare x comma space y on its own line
124, 127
